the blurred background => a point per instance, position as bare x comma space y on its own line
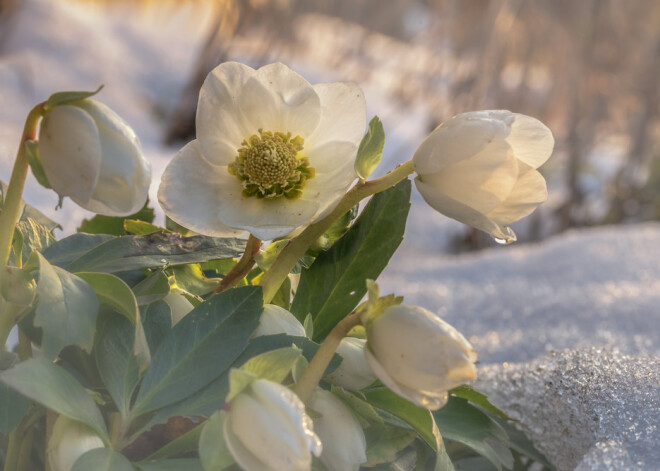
589, 69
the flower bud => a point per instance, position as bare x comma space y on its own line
480, 169
353, 373
344, 444
69, 440
418, 355
267, 429
91, 155
277, 320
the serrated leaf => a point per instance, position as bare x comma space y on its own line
115, 293
217, 329
102, 459
115, 360
416, 417
56, 389
67, 98
32, 153
128, 253
213, 451
333, 286
66, 310
36, 237
371, 149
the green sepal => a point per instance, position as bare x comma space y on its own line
239, 380
371, 149
18, 286
375, 304
32, 153
213, 451
66, 98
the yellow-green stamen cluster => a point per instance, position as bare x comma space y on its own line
269, 165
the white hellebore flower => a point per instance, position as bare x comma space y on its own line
418, 355
91, 155
267, 429
480, 169
273, 153
344, 443
277, 320
354, 372
69, 440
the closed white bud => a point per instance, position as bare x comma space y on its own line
267, 429
69, 440
418, 355
91, 155
480, 169
354, 372
277, 320
344, 443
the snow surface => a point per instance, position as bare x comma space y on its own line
592, 295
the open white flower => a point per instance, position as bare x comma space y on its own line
91, 155
480, 169
273, 153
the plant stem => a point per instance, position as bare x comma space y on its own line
13, 450
9, 315
310, 378
243, 267
297, 247
12, 206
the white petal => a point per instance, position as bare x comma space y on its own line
343, 114
70, 151
432, 400
459, 211
481, 182
529, 192
331, 157
125, 176
190, 195
220, 125
275, 98
460, 138
246, 460
531, 140
277, 320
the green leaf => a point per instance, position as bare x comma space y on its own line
102, 459
112, 225
157, 322
153, 288
189, 464
155, 250
200, 347
56, 389
13, 405
519, 442
190, 278
115, 360
462, 422
364, 411
63, 252
213, 451
333, 286
36, 237
115, 293
67, 98
32, 153
418, 418
480, 399
383, 443
282, 297
371, 149
341, 225
66, 310
133, 226
238, 381
274, 365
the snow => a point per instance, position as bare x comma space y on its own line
567, 330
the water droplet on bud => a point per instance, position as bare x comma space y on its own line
509, 236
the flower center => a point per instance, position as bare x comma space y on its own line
269, 165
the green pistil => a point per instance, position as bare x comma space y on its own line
269, 165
